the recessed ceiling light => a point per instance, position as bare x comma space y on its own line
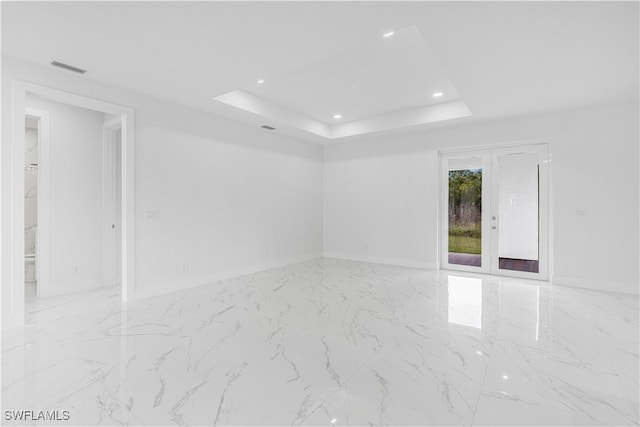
437, 94
260, 81
389, 34
337, 116
505, 377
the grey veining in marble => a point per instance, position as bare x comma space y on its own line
333, 343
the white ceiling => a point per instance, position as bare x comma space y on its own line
503, 58
387, 83
384, 75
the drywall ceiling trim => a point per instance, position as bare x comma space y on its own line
254, 104
362, 82
379, 76
402, 119
274, 113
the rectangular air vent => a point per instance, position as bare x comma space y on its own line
267, 127
68, 67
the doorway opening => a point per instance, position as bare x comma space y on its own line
495, 211
31, 137
111, 202
37, 268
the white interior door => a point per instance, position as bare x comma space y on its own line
495, 211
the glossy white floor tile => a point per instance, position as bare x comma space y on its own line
331, 342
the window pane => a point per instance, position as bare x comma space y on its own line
465, 211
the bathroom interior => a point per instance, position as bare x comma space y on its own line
31, 206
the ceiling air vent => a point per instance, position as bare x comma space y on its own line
267, 127
68, 67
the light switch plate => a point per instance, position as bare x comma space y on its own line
151, 213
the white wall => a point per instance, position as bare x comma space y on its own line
381, 194
222, 207
75, 209
230, 198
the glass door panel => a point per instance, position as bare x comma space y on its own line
519, 211
466, 187
495, 211
518, 215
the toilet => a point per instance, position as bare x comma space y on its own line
30, 268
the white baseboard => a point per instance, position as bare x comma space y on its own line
383, 260
70, 288
218, 276
597, 285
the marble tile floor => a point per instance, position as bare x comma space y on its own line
331, 343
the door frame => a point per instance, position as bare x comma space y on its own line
15, 210
109, 129
545, 207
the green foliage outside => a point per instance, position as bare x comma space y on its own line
465, 192
467, 230
465, 211
465, 245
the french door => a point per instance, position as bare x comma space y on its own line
495, 211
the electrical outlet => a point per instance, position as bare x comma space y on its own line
184, 267
75, 269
